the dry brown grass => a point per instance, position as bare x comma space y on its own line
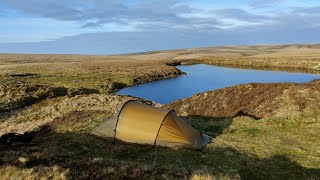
277, 147
72, 78
257, 100
298, 50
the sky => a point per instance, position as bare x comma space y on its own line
124, 26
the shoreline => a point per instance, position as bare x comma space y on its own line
103, 77
255, 126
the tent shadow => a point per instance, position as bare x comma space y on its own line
212, 126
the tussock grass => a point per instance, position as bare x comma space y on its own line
242, 148
70, 77
283, 147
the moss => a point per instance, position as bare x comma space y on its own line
253, 132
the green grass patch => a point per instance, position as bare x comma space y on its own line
242, 148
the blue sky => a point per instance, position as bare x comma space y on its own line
113, 27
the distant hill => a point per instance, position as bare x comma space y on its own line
230, 51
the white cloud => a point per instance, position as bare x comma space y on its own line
131, 26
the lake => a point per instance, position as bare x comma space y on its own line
201, 78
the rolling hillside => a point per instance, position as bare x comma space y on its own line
260, 131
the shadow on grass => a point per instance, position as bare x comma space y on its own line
212, 126
86, 156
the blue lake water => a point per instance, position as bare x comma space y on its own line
201, 78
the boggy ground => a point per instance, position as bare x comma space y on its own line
64, 97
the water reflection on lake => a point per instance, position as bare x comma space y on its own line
201, 78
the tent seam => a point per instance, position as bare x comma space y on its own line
115, 129
155, 140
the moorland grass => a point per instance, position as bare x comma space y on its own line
269, 148
242, 148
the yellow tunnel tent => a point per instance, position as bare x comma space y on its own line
144, 124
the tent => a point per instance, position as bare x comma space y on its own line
144, 124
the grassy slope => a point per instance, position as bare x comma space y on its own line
243, 147
53, 79
75, 74
289, 57
257, 100
272, 147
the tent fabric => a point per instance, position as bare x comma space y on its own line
176, 133
139, 123
143, 124
106, 129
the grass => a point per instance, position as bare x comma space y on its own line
61, 78
242, 148
298, 64
96, 75
106, 74
284, 147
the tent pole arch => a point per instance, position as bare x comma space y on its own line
155, 140
115, 129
